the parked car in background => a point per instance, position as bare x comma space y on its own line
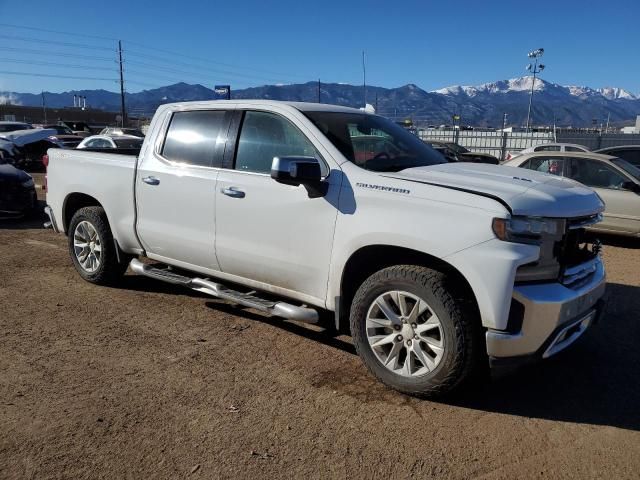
64, 137
549, 147
457, 153
78, 128
113, 131
614, 179
14, 126
17, 192
630, 153
107, 141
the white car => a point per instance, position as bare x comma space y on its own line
108, 141
549, 147
436, 269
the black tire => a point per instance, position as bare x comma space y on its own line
109, 270
464, 357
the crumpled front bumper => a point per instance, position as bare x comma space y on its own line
552, 316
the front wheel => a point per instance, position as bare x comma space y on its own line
92, 248
414, 333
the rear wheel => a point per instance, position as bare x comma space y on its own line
414, 333
92, 248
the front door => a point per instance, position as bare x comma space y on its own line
175, 189
267, 231
622, 206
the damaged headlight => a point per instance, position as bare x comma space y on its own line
522, 229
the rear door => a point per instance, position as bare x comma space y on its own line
622, 207
175, 188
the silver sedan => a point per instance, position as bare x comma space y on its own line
614, 179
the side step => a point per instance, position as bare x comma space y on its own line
279, 309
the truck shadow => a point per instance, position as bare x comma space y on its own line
595, 382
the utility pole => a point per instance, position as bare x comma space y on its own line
122, 109
364, 80
319, 91
535, 70
44, 108
504, 121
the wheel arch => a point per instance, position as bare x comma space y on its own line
369, 259
74, 202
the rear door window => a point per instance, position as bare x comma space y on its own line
197, 137
553, 165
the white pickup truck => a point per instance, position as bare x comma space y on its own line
437, 269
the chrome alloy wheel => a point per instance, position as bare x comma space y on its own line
87, 246
405, 334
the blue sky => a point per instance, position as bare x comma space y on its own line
431, 44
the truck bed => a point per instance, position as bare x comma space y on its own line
107, 177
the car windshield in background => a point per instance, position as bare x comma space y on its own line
627, 167
132, 131
374, 143
128, 142
457, 148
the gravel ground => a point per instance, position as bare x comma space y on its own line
152, 381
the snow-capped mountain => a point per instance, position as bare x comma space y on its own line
523, 84
482, 105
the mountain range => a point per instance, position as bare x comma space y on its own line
480, 105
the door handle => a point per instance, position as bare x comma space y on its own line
151, 180
232, 192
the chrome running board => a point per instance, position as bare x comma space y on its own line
249, 299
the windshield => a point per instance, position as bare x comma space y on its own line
627, 167
128, 142
373, 142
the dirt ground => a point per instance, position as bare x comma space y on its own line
152, 381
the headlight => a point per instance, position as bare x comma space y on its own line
28, 183
526, 229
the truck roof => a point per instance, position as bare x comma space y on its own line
302, 106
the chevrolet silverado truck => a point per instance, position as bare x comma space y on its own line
438, 270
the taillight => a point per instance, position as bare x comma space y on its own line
45, 162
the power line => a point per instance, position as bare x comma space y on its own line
199, 68
56, 54
28, 74
53, 42
38, 29
196, 70
53, 64
205, 60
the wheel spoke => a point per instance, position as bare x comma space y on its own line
380, 322
418, 309
380, 340
435, 345
386, 309
393, 357
425, 360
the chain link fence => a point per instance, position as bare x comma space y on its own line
499, 144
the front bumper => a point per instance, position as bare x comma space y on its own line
553, 317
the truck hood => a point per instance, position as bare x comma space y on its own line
524, 192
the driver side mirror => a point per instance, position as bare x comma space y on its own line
299, 171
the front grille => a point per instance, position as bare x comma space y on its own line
567, 257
